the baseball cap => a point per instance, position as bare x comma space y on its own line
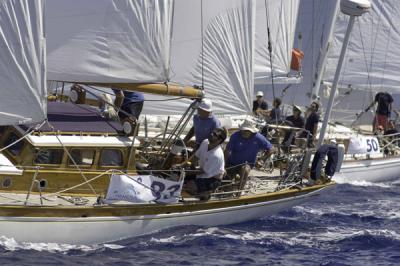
205, 105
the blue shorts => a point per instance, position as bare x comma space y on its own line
133, 109
207, 184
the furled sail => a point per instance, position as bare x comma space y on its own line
109, 41
22, 62
212, 46
280, 17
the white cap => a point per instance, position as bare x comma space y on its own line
260, 93
248, 125
205, 105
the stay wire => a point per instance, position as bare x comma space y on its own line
270, 48
202, 44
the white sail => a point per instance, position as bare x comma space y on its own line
22, 62
108, 41
314, 21
235, 49
280, 17
212, 46
372, 61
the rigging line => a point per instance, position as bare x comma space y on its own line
376, 32
202, 44
386, 54
387, 43
365, 58
73, 161
314, 65
269, 48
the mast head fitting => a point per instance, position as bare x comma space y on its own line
355, 7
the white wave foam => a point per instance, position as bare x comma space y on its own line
12, 245
360, 183
292, 238
381, 209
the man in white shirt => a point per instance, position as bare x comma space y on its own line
211, 162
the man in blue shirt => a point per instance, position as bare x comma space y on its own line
204, 122
242, 149
129, 102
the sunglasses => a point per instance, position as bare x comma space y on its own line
215, 134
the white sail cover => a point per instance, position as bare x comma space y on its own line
372, 59
280, 16
22, 62
212, 46
108, 41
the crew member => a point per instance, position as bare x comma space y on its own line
204, 122
242, 149
130, 103
383, 110
260, 106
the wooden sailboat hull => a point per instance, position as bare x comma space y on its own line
370, 170
111, 223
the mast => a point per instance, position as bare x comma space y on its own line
353, 8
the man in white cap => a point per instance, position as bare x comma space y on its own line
204, 122
242, 149
260, 106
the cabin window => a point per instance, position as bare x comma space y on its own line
111, 157
17, 147
48, 156
82, 157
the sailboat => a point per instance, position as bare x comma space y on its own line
368, 158
321, 37
56, 174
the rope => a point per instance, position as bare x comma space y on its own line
202, 44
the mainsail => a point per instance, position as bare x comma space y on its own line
108, 41
314, 21
212, 47
186, 42
231, 52
372, 62
22, 62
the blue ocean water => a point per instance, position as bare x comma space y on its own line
354, 224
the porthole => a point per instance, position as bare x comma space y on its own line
7, 182
42, 184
